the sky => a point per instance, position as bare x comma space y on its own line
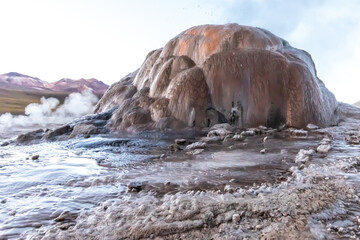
106, 39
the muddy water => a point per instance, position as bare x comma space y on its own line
80, 174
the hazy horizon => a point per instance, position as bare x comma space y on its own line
108, 39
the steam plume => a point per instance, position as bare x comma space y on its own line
48, 111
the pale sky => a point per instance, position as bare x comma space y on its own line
106, 39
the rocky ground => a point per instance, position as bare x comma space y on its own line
317, 198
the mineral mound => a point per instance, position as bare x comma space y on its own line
212, 74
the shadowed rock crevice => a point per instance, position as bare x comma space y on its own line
211, 74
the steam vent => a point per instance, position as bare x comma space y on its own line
210, 74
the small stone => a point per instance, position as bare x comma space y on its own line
180, 141
219, 133
238, 137
3, 201
270, 132
304, 155
4, 144
228, 189
35, 157
323, 148
236, 218
325, 141
36, 225
211, 139
248, 133
265, 139
263, 151
142, 208
65, 216
174, 147
227, 138
261, 127
298, 133
352, 139
311, 127
195, 151
135, 186
282, 127
195, 145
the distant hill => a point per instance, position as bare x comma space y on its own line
70, 85
357, 104
18, 90
18, 81
15, 80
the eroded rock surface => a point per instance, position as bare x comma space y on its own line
212, 74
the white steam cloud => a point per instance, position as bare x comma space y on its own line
48, 111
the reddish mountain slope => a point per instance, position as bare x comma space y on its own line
70, 85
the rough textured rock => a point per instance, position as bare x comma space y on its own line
212, 74
83, 129
52, 134
30, 136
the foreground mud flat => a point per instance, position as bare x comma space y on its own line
254, 184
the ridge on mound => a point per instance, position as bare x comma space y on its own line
210, 74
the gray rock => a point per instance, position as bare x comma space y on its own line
195, 151
174, 147
180, 141
297, 133
325, 141
311, 127
248, 133
238, 137
30, 136
211, 139
229, 189
219, 132
85, 129
304, 155
236, 218
52, 134
323, 148
352, 139
195, 145
135, 186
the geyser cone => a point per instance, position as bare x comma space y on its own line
214, 73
